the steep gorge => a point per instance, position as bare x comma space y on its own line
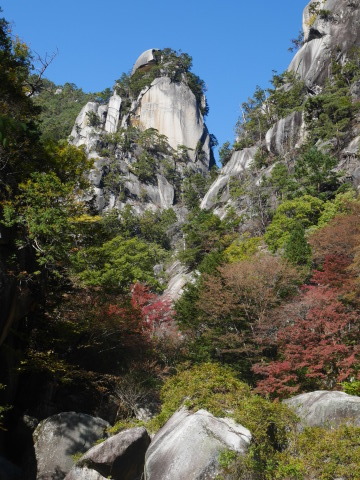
93, 328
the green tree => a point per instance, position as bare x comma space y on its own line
304, 211
314, 171
296, 249
225, 153
118, 263
45, 213
60, 105
20, 151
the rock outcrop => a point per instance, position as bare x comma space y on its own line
219, 191
59, 437
120, 457
331, 28
189, 444
325, 408
172, 109
166, 106
286, 134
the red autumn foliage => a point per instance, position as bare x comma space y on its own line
156, 312
339, 237
334, 273
318, 344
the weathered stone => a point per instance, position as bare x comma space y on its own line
323, 35
121, 456
166, 192
113, 113
189, 444
59, 437
172, 109
239, 162
146, 58
84, 473
178, 278
285, 134
83, 133
325, 408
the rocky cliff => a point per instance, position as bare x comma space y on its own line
149, 136
329, 49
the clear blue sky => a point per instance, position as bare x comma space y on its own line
235, 44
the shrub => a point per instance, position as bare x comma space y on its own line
322, 454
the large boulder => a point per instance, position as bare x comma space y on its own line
120, 457
189, 444
59, 437
144, 60
326, 409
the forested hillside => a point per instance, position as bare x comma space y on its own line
136, 277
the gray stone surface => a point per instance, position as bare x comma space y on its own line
84, 473
239, 162
59, 437
166, 192
120, 457
189, 444
286, 134
325, 408
144, 59
82, 133
172, 109
178, 277
323, 36
113, 113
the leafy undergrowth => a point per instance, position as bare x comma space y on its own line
278, 450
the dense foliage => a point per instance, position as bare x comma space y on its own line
60, 105
273, 306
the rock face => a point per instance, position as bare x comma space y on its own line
178, 278
333, 24
59, 437
326, 409
219, 190
188, 446
331, 29
84, 473
172, 109
144, 60
120, 457
165, 106
286, 134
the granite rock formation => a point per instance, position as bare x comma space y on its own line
189, 445
166, 108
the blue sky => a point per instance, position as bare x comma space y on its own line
235, 44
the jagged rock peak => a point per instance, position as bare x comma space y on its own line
162, 101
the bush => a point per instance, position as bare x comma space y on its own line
322, 454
